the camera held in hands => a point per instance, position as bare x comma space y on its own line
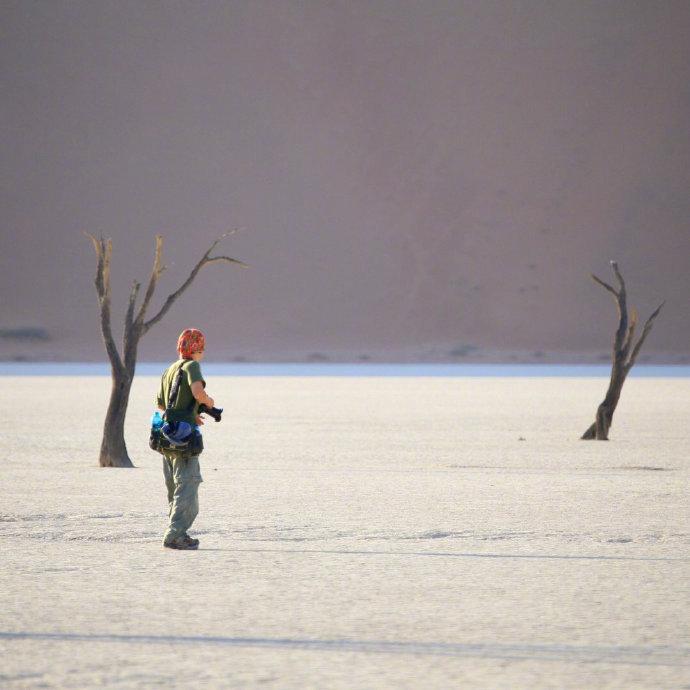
214, 412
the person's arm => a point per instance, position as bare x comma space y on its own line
200, 394
196, 384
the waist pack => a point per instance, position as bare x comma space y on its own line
193, 445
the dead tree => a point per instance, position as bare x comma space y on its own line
624, 355
113, 448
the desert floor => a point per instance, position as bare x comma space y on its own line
355, 533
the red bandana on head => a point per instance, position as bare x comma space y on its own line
191, 340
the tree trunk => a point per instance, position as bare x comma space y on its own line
599, 430
113, 447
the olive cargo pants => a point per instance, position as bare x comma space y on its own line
182, 479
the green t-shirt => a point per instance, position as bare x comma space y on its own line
183, 410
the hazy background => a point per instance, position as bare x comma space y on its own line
416, 179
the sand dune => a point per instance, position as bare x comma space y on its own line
413, 179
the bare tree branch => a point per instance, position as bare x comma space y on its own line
99, 247
631, 332
131, 335
104, 250
645, 332
227, 259
96, 243
596, 279
156, 271
129, 316
620, 304
621, 282
205, 260
107, 254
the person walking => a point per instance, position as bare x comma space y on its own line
181, 466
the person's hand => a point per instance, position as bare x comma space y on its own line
210, 402
199, 420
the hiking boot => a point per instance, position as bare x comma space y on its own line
194, 543
182, 544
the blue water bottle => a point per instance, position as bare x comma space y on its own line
156, 420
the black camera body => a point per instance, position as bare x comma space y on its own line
214, 412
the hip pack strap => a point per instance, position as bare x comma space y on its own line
174, 389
